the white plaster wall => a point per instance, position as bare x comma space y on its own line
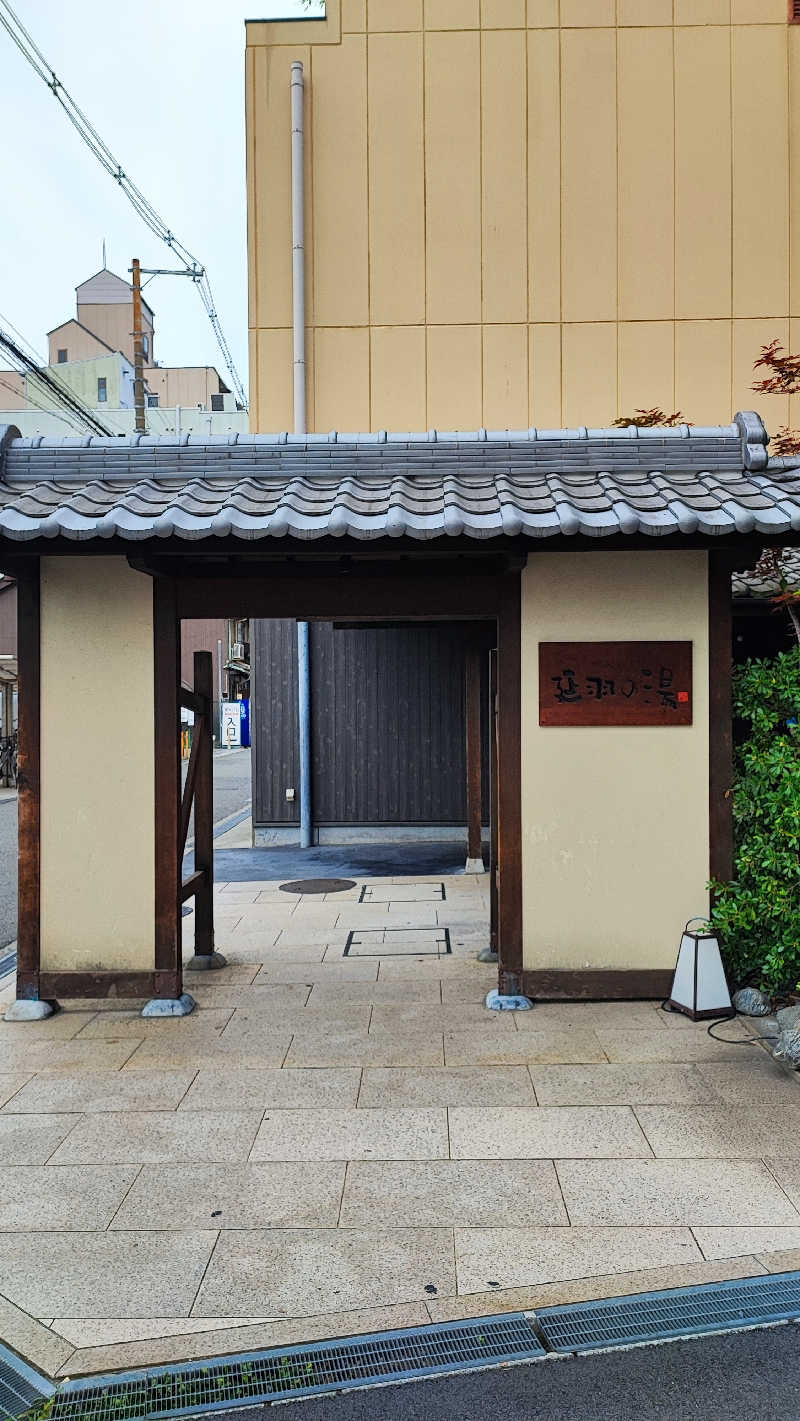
97, 827
614, 819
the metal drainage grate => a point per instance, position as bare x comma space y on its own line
20, 1386
318, 885
300, 1371
677, 1312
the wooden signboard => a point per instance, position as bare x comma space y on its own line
615, 683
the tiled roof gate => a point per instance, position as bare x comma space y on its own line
535, 483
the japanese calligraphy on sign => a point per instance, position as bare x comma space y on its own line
615, 683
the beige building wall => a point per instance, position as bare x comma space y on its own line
527, 211
97, 766
615, 843
113, 323
12, 392
77, 341
184, 385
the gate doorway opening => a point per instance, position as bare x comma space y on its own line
473, 615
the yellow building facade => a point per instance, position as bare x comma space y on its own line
526, 212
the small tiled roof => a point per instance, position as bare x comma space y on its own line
533, 483
763, 581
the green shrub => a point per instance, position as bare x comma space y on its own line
757, 915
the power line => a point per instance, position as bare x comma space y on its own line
66, 398
32, 351
28, 48
44, 409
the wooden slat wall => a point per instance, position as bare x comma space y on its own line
387, 725
273, 720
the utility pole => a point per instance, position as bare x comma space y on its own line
138, 353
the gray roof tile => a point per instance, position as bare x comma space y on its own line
535, 483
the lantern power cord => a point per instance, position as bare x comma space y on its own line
719, 1021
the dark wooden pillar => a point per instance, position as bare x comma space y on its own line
472, 720
166, 665
509, 804
720, 711
493, 800
28, 757
204, 812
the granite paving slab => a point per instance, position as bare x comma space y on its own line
153, 1137
248, 1025
269, 1051
631, 1193
353, 1049
704, 1132
622, 1085
464, 1048
351, 1135
546, 1132
404, 995
584, 1289
276, 1333
287, 1273
282, 1090
459, 1016
446, 1193
733, 1242
62, 1196
104, 1091
341, 971
757, 1080
234, 1196
33, 1139
677, 1046
419, 1086
272, 998
787, 1172
63, 1026
111, 1274
509, 1258
65, 1056
11, 1083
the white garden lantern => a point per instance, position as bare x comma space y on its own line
699, 988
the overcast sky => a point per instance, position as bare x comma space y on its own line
162, 81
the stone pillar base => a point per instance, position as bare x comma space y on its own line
487, 954
205, 962
474, 866
170, 1006
496, 1001
23, 1010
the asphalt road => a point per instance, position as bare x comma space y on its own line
231, 782
746, 1374
232, 788
8, 871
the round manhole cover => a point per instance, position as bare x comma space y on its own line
318, 885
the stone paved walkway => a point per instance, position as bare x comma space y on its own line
341, 1141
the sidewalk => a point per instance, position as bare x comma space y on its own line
343, 1142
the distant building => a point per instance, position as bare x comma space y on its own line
92, 354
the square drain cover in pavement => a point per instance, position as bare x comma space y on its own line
398, 942
402, 893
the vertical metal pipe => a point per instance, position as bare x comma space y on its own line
298, 248
300, 426
304, 721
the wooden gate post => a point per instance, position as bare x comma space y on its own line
509, 794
